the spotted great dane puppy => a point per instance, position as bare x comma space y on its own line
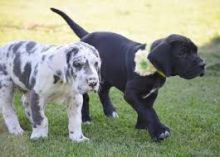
47, 73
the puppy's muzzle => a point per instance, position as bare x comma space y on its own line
92, 82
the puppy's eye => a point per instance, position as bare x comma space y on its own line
78, 65
96, 65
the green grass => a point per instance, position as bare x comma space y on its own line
190, 108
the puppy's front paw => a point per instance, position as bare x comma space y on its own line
115, 115
78, 138
110, 111
17, 130
38, 133
158, 132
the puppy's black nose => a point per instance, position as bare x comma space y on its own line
92, 84
92, 81
202, 74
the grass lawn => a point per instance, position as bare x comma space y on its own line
190, 108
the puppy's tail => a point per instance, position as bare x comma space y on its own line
78, 30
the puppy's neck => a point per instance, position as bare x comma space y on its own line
143, 66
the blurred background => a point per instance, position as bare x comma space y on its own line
140, 20
190, 108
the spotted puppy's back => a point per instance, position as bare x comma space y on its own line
20, 59
28, 47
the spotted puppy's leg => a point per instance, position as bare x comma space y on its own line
74, 115
25, 99
8, 111
40, 121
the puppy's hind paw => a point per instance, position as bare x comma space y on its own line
86, 119
110, 111
115, 115
78, 139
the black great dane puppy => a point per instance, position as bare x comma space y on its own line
139, 79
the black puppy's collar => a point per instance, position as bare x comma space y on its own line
143, 66
158, 71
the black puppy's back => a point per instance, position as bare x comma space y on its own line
115, 51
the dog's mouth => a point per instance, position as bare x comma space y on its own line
88, 89
194, 73
195, 70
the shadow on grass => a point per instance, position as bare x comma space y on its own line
211, 53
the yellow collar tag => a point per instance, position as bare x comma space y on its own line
143, 66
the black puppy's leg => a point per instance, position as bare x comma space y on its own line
85, 109
108, 108
156, 130
141, 124
149, 101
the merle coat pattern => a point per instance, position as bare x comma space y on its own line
47, 73
173, 55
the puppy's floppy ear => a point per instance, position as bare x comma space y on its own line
60, 75
70, 53
160, 56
